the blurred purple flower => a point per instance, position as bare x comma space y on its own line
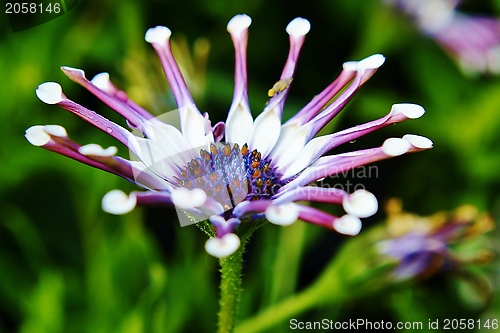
472, 40
264, 167
422, 245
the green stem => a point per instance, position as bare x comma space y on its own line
230, 290
230, 284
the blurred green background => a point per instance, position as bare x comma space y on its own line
66, 266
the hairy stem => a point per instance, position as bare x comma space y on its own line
230, 290
230, 284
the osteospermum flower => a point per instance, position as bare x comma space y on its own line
261, 170
424, 245
472, 40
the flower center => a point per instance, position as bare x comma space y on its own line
231, 175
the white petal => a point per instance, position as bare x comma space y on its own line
351, 66
298, 27
418, 141
305, 156
290, 143
347, 225
224, 246
193, 126
55, 130
371, 62
287, 133
186, 199
37, 136
49, 92
360, 203
285, 214
74, 71
146, 178
239, 23
102, 82
395, 146
96, 150
118, 202
239, 126
266, 131
167, 137
154, 158
412, 111
158, 35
